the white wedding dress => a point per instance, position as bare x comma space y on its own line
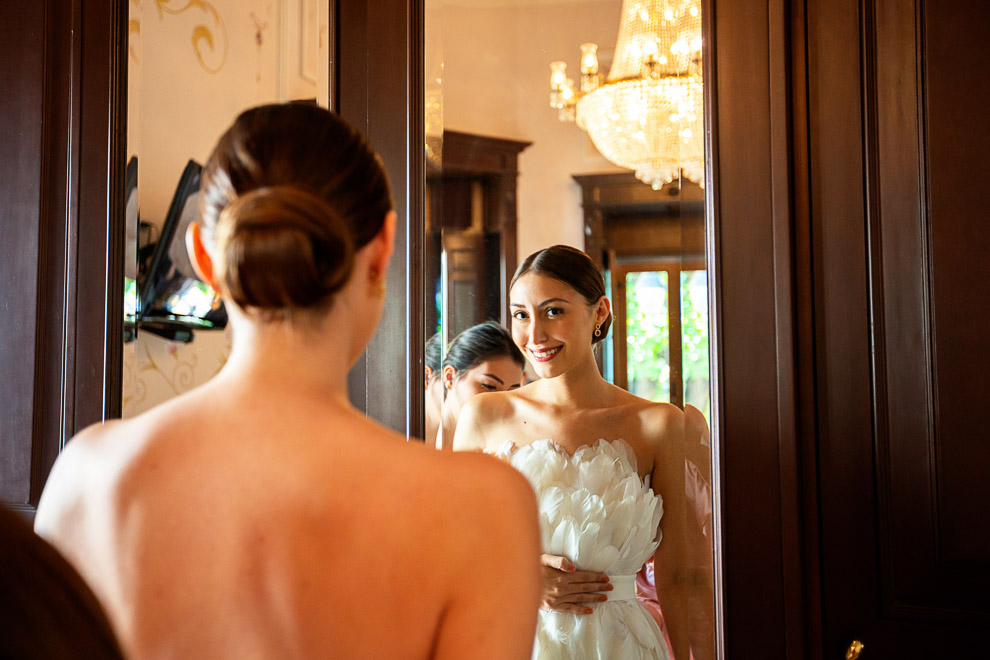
596, 511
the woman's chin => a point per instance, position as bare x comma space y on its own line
547, 369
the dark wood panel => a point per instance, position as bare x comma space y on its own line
97, 226
894, 285
63, 279
750, 260
958, 142
899, 283
934, 482
841, 324
379, 90
477, 154
652, 236
21, 132
53, 407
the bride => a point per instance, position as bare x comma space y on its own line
605, 464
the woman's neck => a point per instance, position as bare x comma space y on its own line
288, 359
448, 422
581, 386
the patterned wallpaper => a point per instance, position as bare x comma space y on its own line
157, 369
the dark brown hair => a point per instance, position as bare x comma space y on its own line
289, 193
485, 341
572, 267
46, 611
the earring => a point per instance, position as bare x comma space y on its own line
377, 283
598, 329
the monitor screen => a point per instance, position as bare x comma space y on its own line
130, 247
172, 293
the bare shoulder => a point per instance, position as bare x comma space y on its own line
477, 485
480, 420
653, 415
90, 455
491, 406
657, 423
661, 418
493, 502
469, 509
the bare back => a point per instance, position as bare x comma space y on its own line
224, 525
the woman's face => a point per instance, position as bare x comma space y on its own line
495, 375
552, 324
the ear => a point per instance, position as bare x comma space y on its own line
429, 375
448, 373
604, 309
383, 244
201, 260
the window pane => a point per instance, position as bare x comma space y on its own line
694, 339
648, 335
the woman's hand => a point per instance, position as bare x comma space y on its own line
566, 589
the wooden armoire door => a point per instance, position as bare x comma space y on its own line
62, 229
899, 162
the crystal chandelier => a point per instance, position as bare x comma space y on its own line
647, 116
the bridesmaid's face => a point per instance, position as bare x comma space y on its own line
552, 324
495, 375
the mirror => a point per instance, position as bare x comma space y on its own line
192, 67
507, 175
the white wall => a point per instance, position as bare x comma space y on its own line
496, 71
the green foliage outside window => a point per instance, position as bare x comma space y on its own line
648, 336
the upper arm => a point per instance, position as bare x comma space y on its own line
665, 429
493, 609
672, 558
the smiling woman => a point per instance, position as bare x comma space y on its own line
563, 271
605, 465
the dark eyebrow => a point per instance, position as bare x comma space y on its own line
494, 377
545, 302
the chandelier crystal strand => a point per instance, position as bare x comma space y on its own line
648, 115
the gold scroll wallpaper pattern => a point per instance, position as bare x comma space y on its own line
156, 370
210, 54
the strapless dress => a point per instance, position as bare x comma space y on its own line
598, 512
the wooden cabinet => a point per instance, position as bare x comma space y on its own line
471, 217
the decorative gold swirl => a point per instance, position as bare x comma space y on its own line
133, 31
203, 36
180, 376
133, 389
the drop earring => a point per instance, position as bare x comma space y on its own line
598, 329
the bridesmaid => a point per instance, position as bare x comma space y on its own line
260, 515
433, 393
480, 359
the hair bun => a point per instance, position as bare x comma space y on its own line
282, 247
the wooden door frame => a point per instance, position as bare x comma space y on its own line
377, 85
63, 187
759, 256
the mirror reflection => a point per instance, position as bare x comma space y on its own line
521, 156
192, 66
